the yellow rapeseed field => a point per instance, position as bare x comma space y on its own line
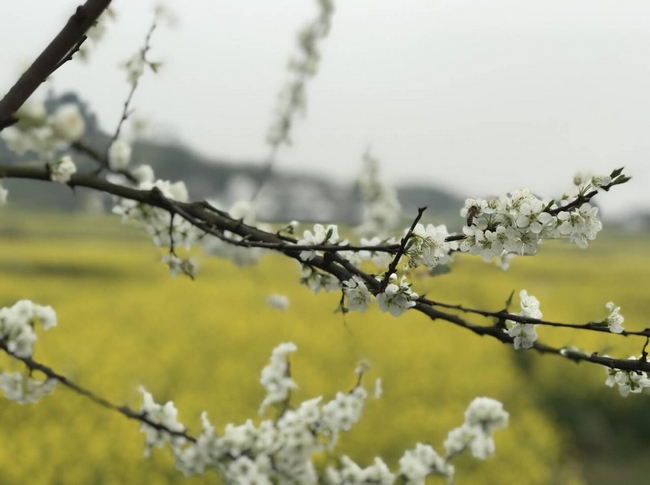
123, 323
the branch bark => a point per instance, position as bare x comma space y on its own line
54, 56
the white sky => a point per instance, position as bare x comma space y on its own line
477, 96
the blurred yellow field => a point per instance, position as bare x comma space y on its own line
123, 322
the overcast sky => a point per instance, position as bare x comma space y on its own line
477, 96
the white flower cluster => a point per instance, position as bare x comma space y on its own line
421, 462
627, 381
160, 224
275, 451
349, 473
43, 134
17, 326
321, 235
25, 389
165, 415
381, 209
3, 195
62, 169
17, 336
280, 302
330, 236
428, 246
396, 298
316, 281
482, 417
357, 293
246, 212
119, 155
280, 451
381, 259
614, 320
525, 334
275, 376
178, 265
292, 97
586, 180
518, 222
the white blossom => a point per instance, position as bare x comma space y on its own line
381, 259
487, 414
178, 265
61, 171
381, 209
627, 381
321, 235
422, 461
17, 325
316, 281
428, 246
159, 222
397, 298
529, 305
580, 225
280, 451
275, 378
24, 389
377, 393
357, 293
599, 180
517, 222
280, 302
345, 409
350, 473
525, 334
614, 319
165, 415
143, 173
119, 156
482, 417
67, 122
31, 114
504, 260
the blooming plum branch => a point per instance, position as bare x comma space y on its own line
282, 450
275, 451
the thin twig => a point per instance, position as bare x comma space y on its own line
504, 315
126, 112
32, 365
400, 251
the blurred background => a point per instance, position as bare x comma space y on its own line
458, 99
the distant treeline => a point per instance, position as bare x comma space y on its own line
286, 195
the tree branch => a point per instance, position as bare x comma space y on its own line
204, 217
32, 365
55, 54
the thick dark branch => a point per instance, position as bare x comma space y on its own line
54, 55
124, 410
